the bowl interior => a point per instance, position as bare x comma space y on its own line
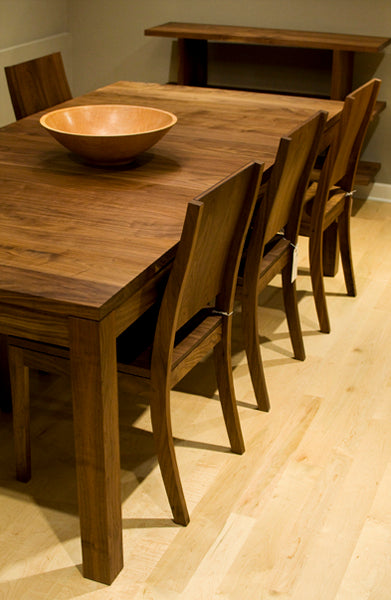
107, 120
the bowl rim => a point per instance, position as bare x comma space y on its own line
42, 120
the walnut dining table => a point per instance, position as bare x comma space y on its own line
84, 251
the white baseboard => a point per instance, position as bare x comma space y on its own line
15, 54
376, 191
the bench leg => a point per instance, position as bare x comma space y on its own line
193, 62
341, 74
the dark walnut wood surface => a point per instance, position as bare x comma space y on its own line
77, 239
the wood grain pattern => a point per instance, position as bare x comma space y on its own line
95, 410
82, 238
37, 84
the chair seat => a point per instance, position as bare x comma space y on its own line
277, 255
198, 337
334, 207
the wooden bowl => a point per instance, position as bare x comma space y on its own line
108, 134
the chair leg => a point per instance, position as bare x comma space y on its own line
345, 247
19, 375
330, 250
292, 312
316, 270
253, 350
223, 368
161, 427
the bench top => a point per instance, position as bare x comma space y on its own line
270, 37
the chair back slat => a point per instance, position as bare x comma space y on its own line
281, 205
207, 260
295, 159
356, 115
37, 84
342, 158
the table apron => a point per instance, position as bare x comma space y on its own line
34, 325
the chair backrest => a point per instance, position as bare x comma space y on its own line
207, 260
281, 206
294, 162
37, 84
346, 148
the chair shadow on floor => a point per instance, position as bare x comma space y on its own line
201, 380
53, 484
52, 488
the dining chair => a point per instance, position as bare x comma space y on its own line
328, 201
37, 84
194, 318
271, 246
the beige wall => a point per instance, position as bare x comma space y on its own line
106, 42
31, 28
111, 38
23, 21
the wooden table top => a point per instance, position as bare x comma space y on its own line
271, 37
80, 240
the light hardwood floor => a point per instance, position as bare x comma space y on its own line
304, 514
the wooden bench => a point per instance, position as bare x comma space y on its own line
193, 41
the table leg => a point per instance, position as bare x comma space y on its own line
96, 426
193, 62
330, 250
5, 385
341, 74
